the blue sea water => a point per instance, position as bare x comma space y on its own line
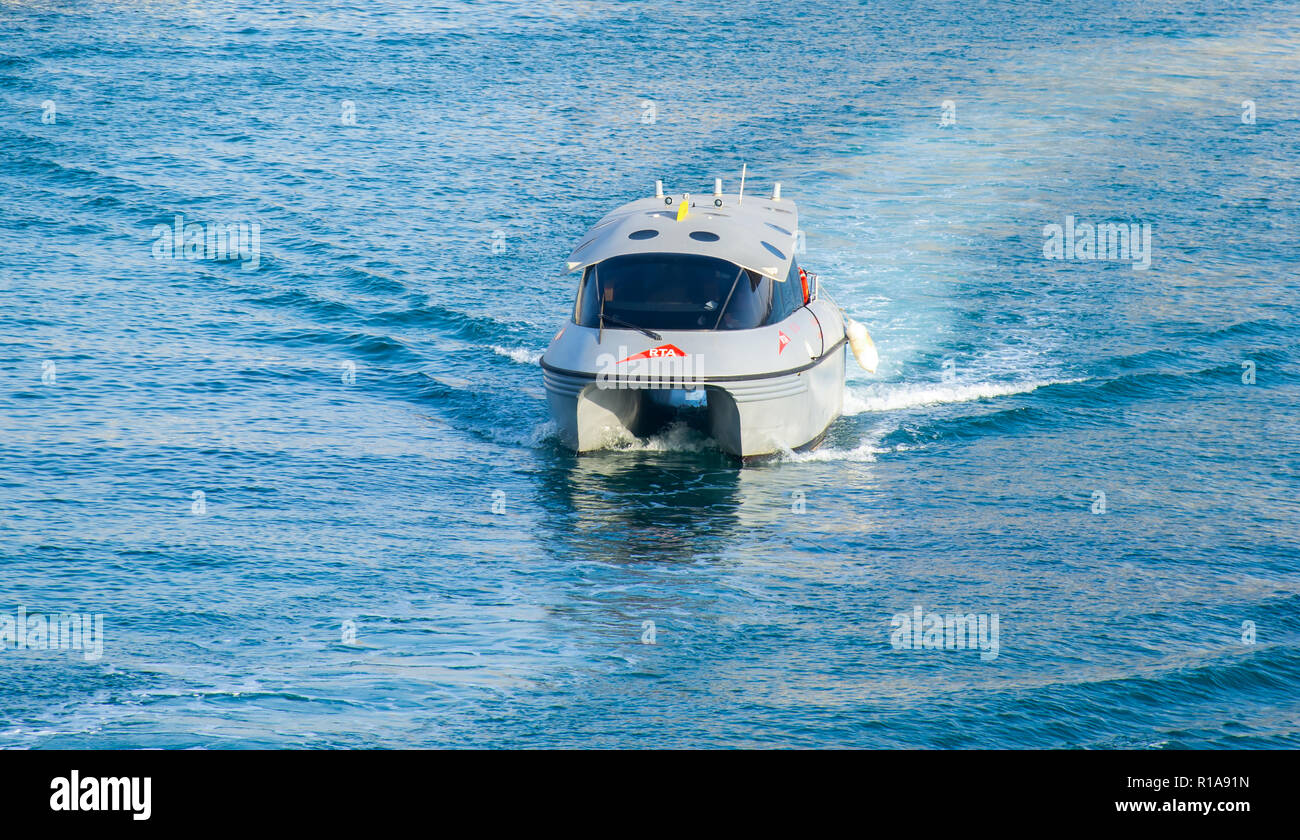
363, 414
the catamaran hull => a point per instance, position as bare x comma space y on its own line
746, 416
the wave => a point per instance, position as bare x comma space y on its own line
522, 355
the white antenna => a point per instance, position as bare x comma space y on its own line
740, 197
776, 191
717, 186
659, 189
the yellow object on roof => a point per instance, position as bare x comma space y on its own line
759, 235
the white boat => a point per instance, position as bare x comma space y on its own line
695, 308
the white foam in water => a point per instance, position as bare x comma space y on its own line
894, 397
677, 437
534, 437
541, 432
867, 450
522, 355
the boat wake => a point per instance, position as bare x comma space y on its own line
894, 398
867, 450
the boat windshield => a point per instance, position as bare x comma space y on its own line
673, 292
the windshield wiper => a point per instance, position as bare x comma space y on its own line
605, 317
723, 310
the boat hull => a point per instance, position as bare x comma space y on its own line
747, 415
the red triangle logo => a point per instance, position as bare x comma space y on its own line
663, 351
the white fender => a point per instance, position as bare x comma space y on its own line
864, 349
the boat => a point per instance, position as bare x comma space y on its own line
695, 309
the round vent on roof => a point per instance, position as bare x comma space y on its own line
704, 236
643, 234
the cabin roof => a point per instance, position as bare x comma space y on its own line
756, 233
